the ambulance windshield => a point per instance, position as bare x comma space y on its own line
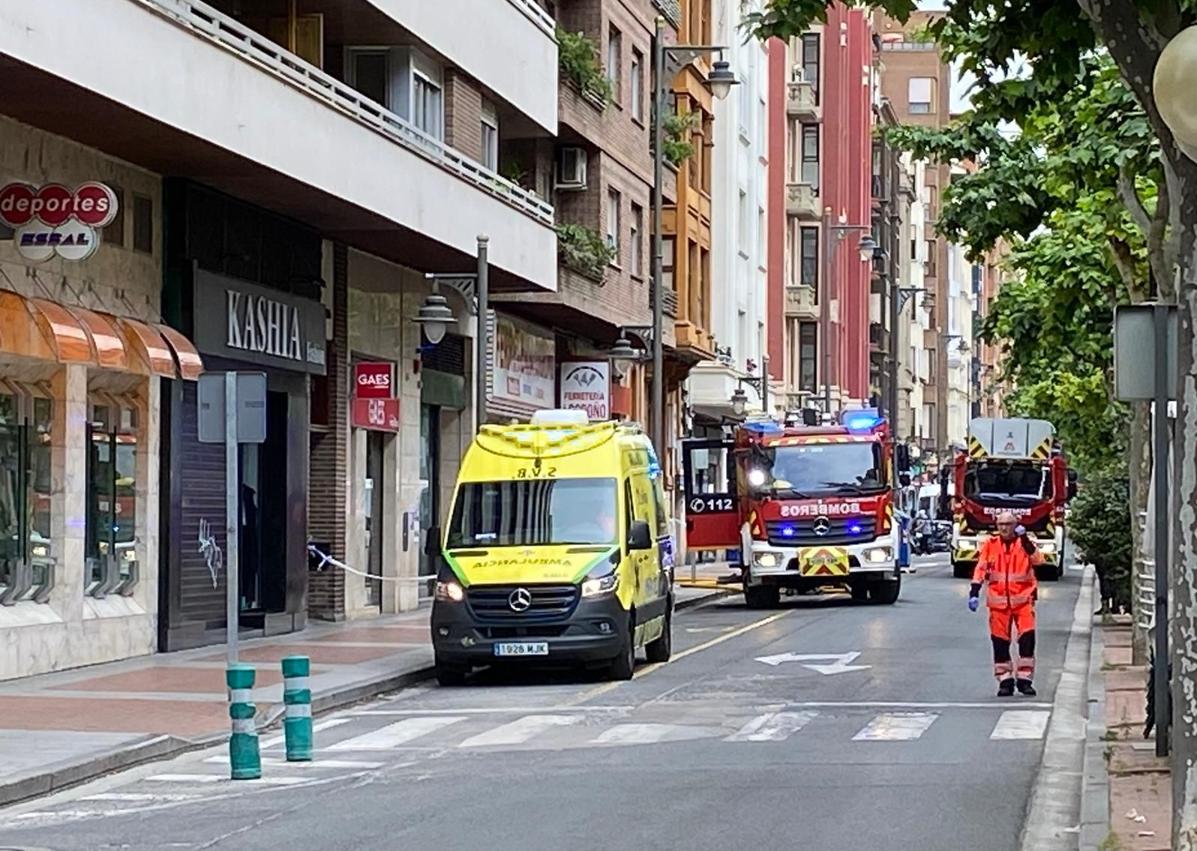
525, 512
817, 469
1006, 483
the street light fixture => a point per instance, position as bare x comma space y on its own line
721, 79
739, 401
435, 316
622, 355
1172, 85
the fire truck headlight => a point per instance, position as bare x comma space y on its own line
756, 477
767, 559
878, 555
1047, 547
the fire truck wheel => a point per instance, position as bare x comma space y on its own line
860, 591
885, 593
762, 596
962, 569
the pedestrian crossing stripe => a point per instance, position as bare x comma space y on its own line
823, 561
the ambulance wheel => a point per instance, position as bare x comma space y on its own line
885, 593
624, 665
450, 675
662, 648
762, 596
962, 569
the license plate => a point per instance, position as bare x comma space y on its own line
522, 648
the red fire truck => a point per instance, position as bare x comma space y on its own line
806, 507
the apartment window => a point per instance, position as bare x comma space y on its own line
426, 105
25, 485
490, 137
808, 269
667, 260
143, 224
929, 260
810, 155
369, 72
760, 236
613, 201
878, 175
110, 525
614, 57
742, 223
746, 106
114, 231
920, 95
932, 203
808, 352
810, 61
636, 81
700, 144
637, 237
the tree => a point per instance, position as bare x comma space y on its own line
1055, 37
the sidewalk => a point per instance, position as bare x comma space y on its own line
67, 727
1137, 784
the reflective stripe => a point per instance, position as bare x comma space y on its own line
295, 683
244, 725
241, 695
299, 710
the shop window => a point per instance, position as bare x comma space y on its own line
807, 356
143, 224
114, 231
26, 566
111, 544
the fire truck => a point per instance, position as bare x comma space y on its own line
1012, 465
806, 507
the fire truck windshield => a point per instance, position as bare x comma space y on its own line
817, 469
1006, 483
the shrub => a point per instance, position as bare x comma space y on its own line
578, 58
584, 250
676, 144
1100, 525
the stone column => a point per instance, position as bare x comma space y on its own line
68, 441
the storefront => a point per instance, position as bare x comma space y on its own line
82, 355
246, 288
524, 375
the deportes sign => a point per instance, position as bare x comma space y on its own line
53, 219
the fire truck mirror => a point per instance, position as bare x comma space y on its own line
902, 457
1072, 483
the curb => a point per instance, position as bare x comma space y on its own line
1095, 797
1056, 798
60, 776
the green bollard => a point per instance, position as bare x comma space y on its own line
297, 697
244, 758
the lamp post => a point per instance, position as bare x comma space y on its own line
721, 79
435, 316
833, 235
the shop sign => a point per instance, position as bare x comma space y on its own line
525, 364
586, 386
247, 322
53, 219
376, 414
374, 380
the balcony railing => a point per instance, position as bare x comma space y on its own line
256, 49
802, 201
537, 15
668, 298
801, 101
800, 302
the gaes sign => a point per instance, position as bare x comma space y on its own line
374, 380
53, 219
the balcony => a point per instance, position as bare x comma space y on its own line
802, 202
800, 303
878, 338
801, 102
257, 121
668, 299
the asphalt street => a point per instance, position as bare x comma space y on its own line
825, 724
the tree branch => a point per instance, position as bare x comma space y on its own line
1171, 198
1130, 198
1124, 262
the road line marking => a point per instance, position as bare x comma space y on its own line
276, 781
648, 734
187, 778
896, 727
773, 727
317, 763
897, 704
677, 657
393, 735
500, 710
138, 797
1021, 724
327, 724
518, 731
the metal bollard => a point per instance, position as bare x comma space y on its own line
244, 758
297, 697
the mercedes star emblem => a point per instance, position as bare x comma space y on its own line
821, 526
520, 600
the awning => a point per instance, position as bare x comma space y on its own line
191, 366
148, 345
105, 341
41, 329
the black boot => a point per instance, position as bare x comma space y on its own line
1006, 688
1025, 688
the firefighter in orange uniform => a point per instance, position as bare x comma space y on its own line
1007, 563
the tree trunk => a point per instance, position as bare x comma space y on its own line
1140, 488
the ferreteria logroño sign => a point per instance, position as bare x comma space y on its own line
242, 321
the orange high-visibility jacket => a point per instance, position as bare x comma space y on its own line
1009, 571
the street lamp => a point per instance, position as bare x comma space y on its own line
1172, 85
622, 355
435, 316
739, 401
720, 79
836, 232
759, 383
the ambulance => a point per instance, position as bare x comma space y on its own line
557, 551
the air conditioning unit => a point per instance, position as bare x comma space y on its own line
571, 168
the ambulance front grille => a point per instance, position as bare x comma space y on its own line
548, 602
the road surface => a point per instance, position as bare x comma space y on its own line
863, 727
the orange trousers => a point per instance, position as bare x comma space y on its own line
1006, 624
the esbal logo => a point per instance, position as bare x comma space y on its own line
53, 219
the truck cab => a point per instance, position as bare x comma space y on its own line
807, 507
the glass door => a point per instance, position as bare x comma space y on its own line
430, 465
374, 514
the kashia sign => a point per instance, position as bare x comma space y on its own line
92, 204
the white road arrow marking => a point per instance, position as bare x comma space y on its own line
839, 662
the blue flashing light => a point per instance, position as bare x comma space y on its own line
855, 529
862, 422
763, 427
787, 531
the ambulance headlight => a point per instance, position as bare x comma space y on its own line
878, 555
599, 585
767, 559
450, 591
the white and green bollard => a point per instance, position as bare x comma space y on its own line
244, 757
297, 698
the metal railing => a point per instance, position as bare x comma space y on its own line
537, 15
205, 21
668, 301
1145, 598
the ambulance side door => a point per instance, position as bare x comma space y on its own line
711, 499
